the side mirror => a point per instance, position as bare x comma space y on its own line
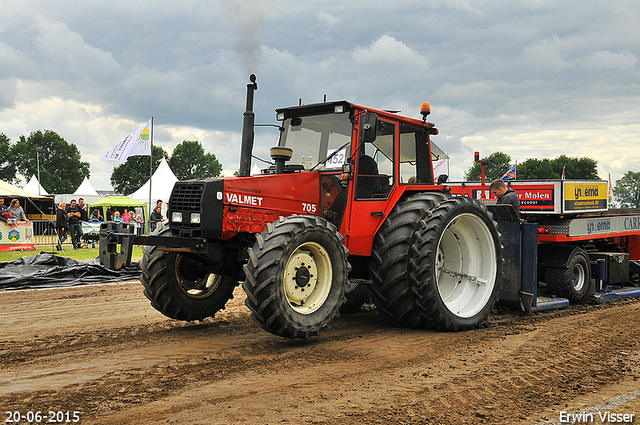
369, 125
442, 178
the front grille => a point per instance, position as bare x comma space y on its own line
186, 198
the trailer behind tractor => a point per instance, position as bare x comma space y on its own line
350, 204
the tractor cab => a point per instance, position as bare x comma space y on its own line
366, 159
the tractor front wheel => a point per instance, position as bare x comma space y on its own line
296, 276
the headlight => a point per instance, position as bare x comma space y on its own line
176, 217
195, 218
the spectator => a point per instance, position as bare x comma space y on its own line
155, 218
126, 217
109, 214
75, 228
95, 216
84, 215
3, 209
116, 217
62, 225
16, 210
139, 223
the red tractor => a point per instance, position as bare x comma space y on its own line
350, 204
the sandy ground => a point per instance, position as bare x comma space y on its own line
104, 352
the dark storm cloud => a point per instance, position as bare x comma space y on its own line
494, 71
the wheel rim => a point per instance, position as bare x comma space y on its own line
307, 277
578, 277
466, 265
195, 287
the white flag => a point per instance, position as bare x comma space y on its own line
137, 143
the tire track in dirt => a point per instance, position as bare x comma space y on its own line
143, 368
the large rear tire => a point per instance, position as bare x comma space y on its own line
458, 264
176, 287
390, 266
296, 276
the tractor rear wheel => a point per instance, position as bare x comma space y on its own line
571, 282
296, 276
390, 265
179, 287
458, 264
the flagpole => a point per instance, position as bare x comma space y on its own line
150, 175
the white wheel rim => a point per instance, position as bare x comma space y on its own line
466, 265
307, 277
578, 277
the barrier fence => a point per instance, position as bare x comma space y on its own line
44, 233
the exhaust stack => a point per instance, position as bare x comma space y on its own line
246, 147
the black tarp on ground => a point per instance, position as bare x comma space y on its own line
47, 270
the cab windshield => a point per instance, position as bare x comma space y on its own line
314, 138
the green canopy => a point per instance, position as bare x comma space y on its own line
118, 201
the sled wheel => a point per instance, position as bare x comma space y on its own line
572, 282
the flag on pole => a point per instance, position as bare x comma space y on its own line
563, 177
510, 174
610, 192
136, 143
440, 166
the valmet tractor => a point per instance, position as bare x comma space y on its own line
350, 197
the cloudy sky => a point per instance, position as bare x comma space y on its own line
529, 78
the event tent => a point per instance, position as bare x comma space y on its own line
7, 190
120, 202
34, 186
162, 183
35, 207
85, 189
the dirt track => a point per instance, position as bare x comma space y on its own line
103, 351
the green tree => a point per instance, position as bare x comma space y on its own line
536, 169
189, 161
130, 176
61, 170
496, 169
626, 191
574, 168
7, 165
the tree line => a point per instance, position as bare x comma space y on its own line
188, 161
626, 190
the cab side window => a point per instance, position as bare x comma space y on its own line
415, 163
375, 171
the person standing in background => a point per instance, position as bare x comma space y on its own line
62, 225
84, 214
75, 229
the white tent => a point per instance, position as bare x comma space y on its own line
162, 183
34, 185
7, 189
86, 189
